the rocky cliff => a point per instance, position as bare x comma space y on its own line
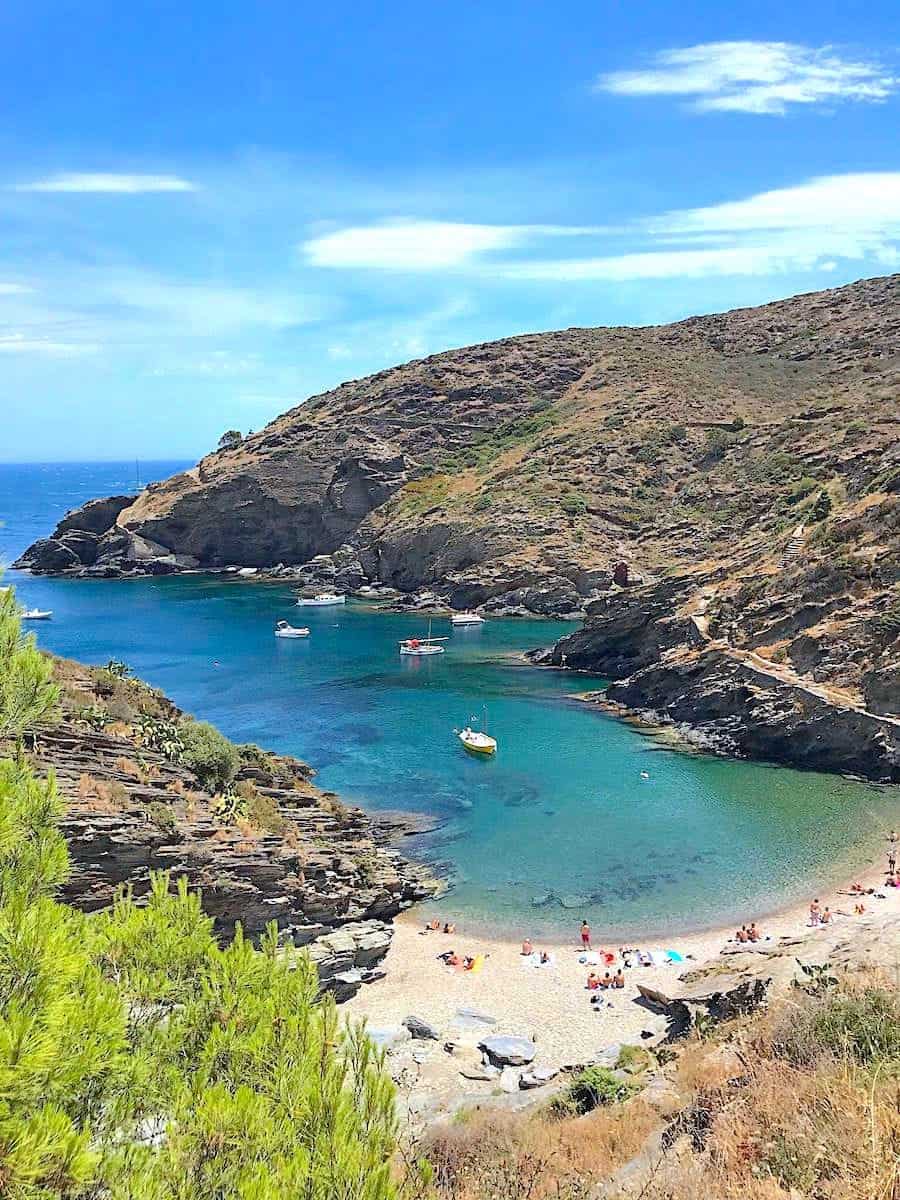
742, 468
273, 848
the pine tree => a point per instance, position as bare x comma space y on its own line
141, 1060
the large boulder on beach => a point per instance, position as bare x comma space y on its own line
509, 1051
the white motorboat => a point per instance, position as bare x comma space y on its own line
466, 618
322, 600
37, 614
422, 647
285, 630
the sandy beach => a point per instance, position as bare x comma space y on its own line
551, 1004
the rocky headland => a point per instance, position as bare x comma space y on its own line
269, 846
720, 497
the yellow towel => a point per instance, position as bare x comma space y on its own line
477, 963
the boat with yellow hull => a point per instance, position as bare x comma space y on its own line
476, 742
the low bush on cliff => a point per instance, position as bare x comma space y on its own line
138, 1058
213, 759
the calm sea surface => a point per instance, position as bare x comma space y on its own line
561, 814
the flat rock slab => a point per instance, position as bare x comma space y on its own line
537, 1077
471, 1018
509, 1051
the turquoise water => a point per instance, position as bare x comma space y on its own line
562, 809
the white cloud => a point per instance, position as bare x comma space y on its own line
869, 201
408, 245
753, 77
419, 245
89, 181
19, 343
807, 227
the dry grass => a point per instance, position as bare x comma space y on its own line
799, 1104
501, 1156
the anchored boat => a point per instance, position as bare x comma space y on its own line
322, 600
477, 741
422, 646
285, 630
37, 614
466, 618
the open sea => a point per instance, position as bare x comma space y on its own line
558, 826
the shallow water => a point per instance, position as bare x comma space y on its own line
560, 815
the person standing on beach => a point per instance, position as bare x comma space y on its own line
892, 852
585, 936
815, 913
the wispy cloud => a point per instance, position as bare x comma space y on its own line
420, 245
20, 343
763, 78
91, 181
852, 217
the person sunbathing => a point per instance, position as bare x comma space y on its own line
545, 958
593, 981
827, 914
753, 933
859, 909
742, 934
434, 924
892, 881
528, 946
857, 888
606, 981
449, 927
453, 959
619, 979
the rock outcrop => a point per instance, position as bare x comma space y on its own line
328, 876
730, 481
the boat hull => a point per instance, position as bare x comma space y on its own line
481, 745
320, 602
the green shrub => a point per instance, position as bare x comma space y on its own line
213, 759
593, 1088
862, 1026
821, 508
716, 443
573, 505
481, 502
802, 488
94, 716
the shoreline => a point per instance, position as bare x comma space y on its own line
552, 1004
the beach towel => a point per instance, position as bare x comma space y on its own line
608, 958
591, 958
674, 956
477, 964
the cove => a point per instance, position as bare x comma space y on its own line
559, 826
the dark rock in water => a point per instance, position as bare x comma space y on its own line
508, 1051
48, 554
542, 899
421, 1029
573, 901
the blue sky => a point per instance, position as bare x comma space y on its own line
211, 211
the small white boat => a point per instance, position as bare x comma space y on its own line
466, 618
422, 646
478, 741
37, 614
284, 630
322, 600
